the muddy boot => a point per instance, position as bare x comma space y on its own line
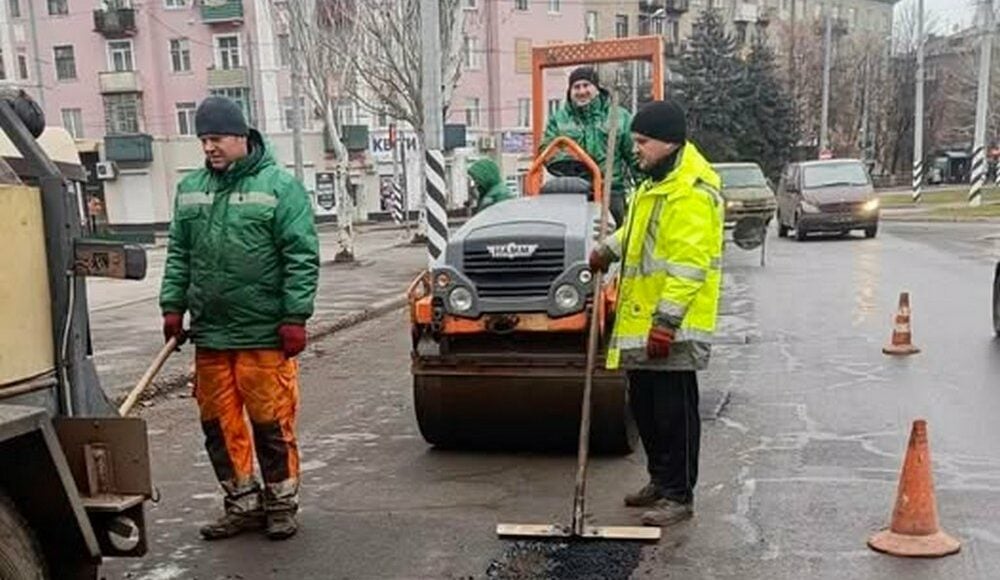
233, 524
645, 497
281, 525
667, 512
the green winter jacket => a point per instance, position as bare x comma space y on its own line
243, 256
589, 126
489, 184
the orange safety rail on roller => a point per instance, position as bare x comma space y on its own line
533, 180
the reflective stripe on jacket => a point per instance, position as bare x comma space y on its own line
671, 272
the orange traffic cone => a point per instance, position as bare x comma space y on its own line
901, 335
914, 531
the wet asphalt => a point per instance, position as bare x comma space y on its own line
800, 458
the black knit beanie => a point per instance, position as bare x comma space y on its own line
584, 73
661, 120
220, 116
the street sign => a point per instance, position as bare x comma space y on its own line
326, 190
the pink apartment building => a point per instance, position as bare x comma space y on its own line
125, 76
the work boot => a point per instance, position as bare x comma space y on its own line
281, 525
667, 512
233, 524
645, 497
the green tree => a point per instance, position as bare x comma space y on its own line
770, 127
708, 88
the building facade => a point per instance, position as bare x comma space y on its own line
126, 77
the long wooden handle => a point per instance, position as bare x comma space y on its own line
147, 378
583, 448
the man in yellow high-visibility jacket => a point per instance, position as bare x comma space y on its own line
671, 249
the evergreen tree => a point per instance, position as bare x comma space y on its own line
709, 86
770, 124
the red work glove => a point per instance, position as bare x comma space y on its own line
293, 339
658, 344
599, 260
173, 326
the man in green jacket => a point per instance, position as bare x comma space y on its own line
243, 261
671, 252
586, 119
489, 185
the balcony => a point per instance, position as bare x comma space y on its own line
119, 82
228, 78
221, 11
675, 7
115, 22
137, 148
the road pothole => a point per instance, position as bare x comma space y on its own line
583, 560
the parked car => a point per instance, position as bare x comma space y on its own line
834, 196
746, 191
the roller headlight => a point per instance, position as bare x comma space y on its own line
585, 277
809, 208
734, 204
567, 297
871, 205
460, 299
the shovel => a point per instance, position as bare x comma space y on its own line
148, 376
578, 527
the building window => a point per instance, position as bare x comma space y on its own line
185, 118
284, 50
554, 105
180, 55
521, 5
590, 25
227, 52
473, 55
240, 95
472, 112
346, 113
522, 55
173, 4
120, 55
58, 8
22, 67
72, 120
3, 69
65, 63
555, 6
289, 110
621, 25
524, 112
14, 8
122, 113
470, 4
675, 31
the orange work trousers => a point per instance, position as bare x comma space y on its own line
261, 384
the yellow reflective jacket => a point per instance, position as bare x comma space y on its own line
670, 275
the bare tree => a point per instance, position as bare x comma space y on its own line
386, 64
322, 34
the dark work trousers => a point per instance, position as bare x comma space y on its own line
665, 405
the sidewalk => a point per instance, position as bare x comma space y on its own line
126, 324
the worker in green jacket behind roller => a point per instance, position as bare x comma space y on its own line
488, 184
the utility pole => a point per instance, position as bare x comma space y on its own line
918, 122
824, 131
494, 116
635, 86
791, 54
982, 106
434, 209
296, 50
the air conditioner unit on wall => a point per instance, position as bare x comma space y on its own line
487, 143
106, 170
